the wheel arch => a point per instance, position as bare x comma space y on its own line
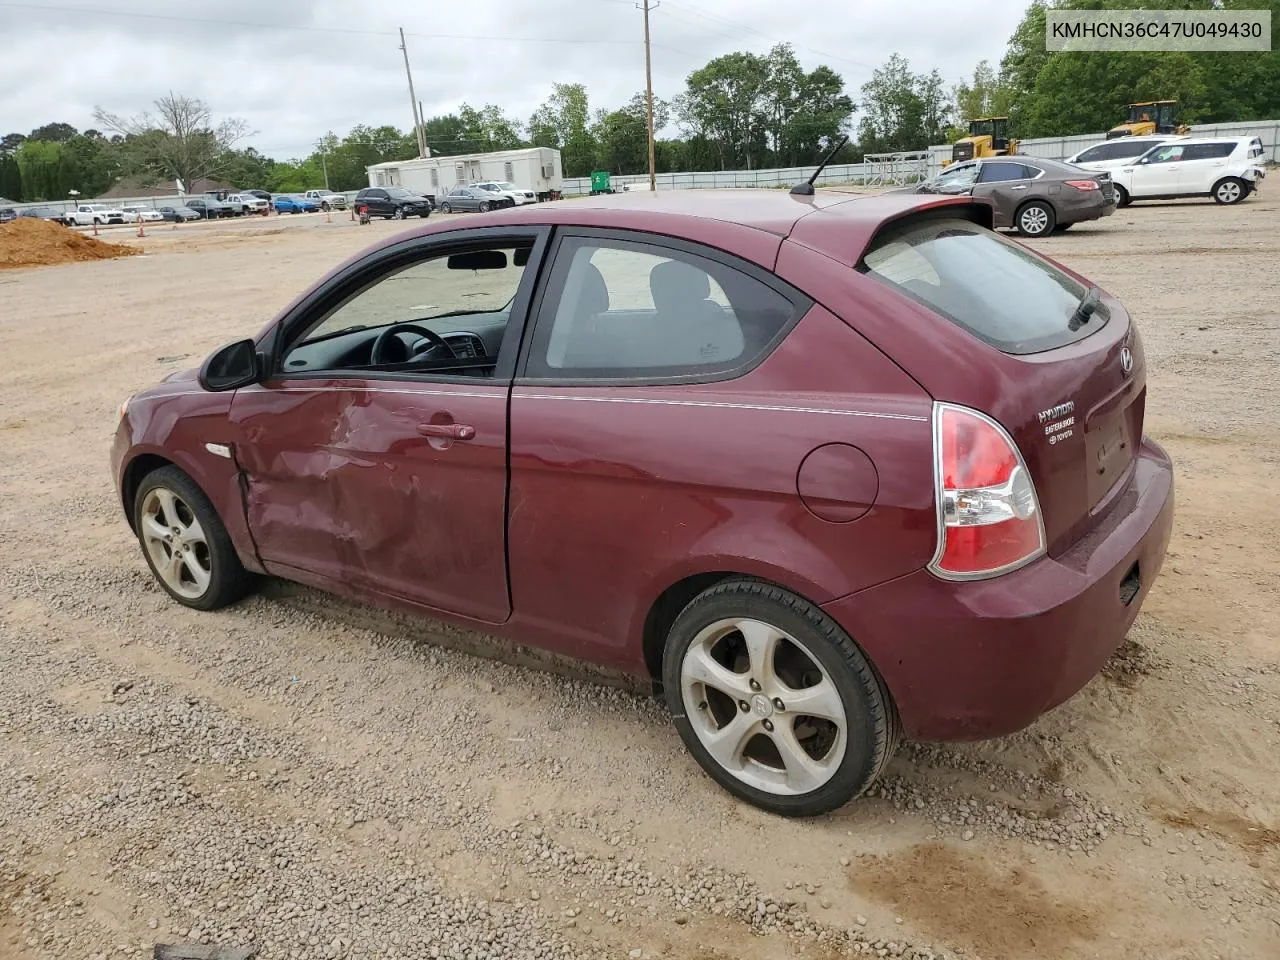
668, 602
135, 472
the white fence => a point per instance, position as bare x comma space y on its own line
1050, 148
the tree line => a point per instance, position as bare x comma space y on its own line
738, 111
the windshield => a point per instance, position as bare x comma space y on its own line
400, 193
999, 291
505, 185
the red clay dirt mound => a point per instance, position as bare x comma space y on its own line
34, 243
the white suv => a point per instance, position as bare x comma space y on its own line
1225, 168
508, 190
1120, 152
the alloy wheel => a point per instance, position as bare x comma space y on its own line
1034, 220
176, 543
1228, 191
763, 707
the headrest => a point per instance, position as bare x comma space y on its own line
675, 285
593, 297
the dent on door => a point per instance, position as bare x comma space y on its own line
345, 484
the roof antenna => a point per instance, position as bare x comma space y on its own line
806, 189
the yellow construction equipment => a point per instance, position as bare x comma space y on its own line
988, 137
1148, 117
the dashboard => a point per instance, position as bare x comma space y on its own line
474, 336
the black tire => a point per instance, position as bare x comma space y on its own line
1035, 218
1122, 196
229, 581
324, 207
871, 719
445, 208
399, 213
484, 206
1230, 190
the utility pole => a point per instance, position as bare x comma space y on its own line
422, 119
324, 165
413, 99
648, 94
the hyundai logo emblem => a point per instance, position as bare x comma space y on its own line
1126, 360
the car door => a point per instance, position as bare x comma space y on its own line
379, 203
1157, 173
1203, 164
393, 477
1005, 184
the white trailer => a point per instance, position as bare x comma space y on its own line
535, 168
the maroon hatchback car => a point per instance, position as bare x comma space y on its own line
828, 470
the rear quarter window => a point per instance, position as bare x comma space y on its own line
997, 290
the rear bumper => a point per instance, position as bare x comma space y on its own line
966, 661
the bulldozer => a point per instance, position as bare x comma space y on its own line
988, 137
1148, 117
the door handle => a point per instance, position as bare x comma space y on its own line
450, 431
1023, 187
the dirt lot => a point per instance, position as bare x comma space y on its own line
329, 781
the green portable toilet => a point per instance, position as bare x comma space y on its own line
600, 182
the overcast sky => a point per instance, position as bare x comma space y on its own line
298, 68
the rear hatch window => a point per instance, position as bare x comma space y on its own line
996, 289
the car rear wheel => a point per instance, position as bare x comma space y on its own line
774, 699
445, 208
1035, 219
185, 543
1229, 191
1122, 196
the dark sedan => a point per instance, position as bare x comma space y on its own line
394, 203
7, 214
825, 472
473, 199
180, 214
1030, 194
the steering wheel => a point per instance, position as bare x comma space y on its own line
382, 346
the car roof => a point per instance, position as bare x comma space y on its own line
1233, 138
750, 223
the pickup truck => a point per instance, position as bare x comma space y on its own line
326, 200
247, 203
87, 214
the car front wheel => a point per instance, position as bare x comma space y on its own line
445, 208
1035, 219
399, 214
1122, 196
1229, 191
774, 699
185, 543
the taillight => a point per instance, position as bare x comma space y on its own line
1083, 184
988, 513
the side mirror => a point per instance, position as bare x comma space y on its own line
235, 365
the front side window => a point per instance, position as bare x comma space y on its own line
957, 178
1167, 154
467, 291
1094, 154
637, 310
998, 290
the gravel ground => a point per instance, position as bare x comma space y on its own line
330, 781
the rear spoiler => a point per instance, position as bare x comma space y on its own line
844, 231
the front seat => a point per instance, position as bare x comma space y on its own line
579, 340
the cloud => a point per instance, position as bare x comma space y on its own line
296, 69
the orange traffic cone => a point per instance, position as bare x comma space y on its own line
141, 231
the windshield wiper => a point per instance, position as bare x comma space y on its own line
1088, 306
